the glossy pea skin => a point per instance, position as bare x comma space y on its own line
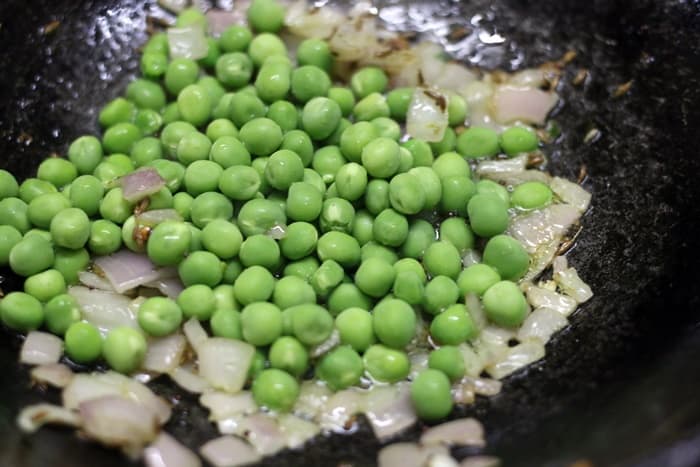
192, 146
339, 247
239, 182
315, 52
372, 106
228, 151
201, 267
120, 138
168, 243
432, 185
327, 161
431, 396
197, 301
406, 194
355, 327
60, 313
409, 287
45, 285
173, 133
477, 142
299, 241
311, 323
291, 291
449, 360
266, 15
210, 206
375, 277
202, 176
440, 292
398, 101
340, 368
381, 157
9, 188
337, 214
516, 140
394, 323
309, 81
124, 349
9, 237
145, 151
57, 171
44, 208
456, 110
116, 111
343, 97
159, 316
226, 323
225, 297
21, 312
442, 258
451, 164
283, 169
320, 117
446, 144
376, 196
362, 227
70, 228
488, 215
222, 238
477, 278
505, 304
194, 104
266, 45
258, 216
146, 94
356, 138
373, 249
386, 365
181, 72
368, 80
507, 256
261, 136
288, 354
70, 262
326, 277
83, 343
254, 284
285, 114
303, 268
153, 64
235, 39
275, 389
85, 153
351, 181
456, 231
531, 195
390, 228
31, 256
457, 191
114, 207
300, 143
260, 250
220, 128
453, 326
245, 107
304, 202
86, 193
261, 323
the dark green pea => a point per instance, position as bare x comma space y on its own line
291, 291
275, 389
159, 316
124, 349
239, 182
390, 228
21, 311
146, 94
273, 81
171, 113
114, 207
449, 360
226, 323
85, 153
45, 285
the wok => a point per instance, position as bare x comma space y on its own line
618, 387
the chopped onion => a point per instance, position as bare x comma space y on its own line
389, 410
104, 310
156, 216
532, 78
427, 114
189, 381
41, 348
220, 20
277, 232
442, 460
571, 193
419, 362
312, 397
517, 357
541, 324
55, 374
195, 333
492, 344
318, 23
261, 431
141, 184
126, 270
297, 431
170, 287
543, 226
478, 96
571, 284
165, 451
559, 264
176, 6
452, 76
222, 406
476, 310
224, 363
541, 259
473, 362
116, 421
516, 178
354, 40
229, 451
164, 354
408, 455
339, 409
481, 386
188, 42
480, 461
462, 432
92, 280
524, 104
470, 257
33, 417
492, 167
539, 297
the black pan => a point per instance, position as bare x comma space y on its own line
616, 388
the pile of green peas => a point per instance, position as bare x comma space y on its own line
248, 141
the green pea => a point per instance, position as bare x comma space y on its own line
291, 291
355, 327
148, 121
193, 146
226, 323
356, 138
309, 81
245, 107
285, 114
191, 16
257, 365
85, 153
362, 227
235, 39
505, 304
340, 368
124, 349
431, 395
446, 144
109, 171
168, 243
43, 208
381, 157
146, 94
31, 255
304, 202
9, 237
342, 96
283, 169
406, 194
210, 206
261, 323
351, 181
327, 161
399, 100
300, 143
260, 250
370, 107
181, 72
33, 187
394, 323
116, 111
261, 136
57, 171
70, 228
83, 343
326, 277
456, 110
453, 326
197, 301
159, 316
174, 132
131, 235
387, 128
409, 287
225, 297
477, 142
9, 188
373, 249
60, 313
516, 140
213, 54
442, 258
21, 311
421, 152
275, 389
266, 15
304, 268
440, 293
254, 284
153, 64
337, 214
120, 138
266, 45
201, 267
451, 164
157, 43
339, 247
311, 323
86, 193
258, 216
194, 104
377, 196
390, 228
299, 241
70, 262
288, 354
531, 195
315, 52
477, 278
507, 256
320, 117
386, 365
456, 231
375, 277
449, 360
45, 285
457, 191
171, 113
239, 182
218, 129
202, 176
222, 238
228, 151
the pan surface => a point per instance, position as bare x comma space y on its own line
618, 387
